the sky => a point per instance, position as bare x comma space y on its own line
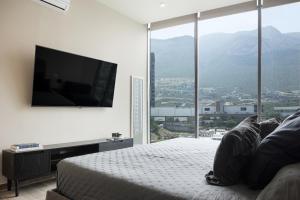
285, 18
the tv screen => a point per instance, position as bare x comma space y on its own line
65, 79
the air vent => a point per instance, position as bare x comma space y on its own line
62, 5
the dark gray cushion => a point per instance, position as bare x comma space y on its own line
268, 126
234, 152
280, 148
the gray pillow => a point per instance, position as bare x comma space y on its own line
277, 150
234, 153
268, 126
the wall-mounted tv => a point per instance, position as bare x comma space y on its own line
66, 79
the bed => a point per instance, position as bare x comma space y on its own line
168, 170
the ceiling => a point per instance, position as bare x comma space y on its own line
146, 11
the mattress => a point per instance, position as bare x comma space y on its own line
168, 170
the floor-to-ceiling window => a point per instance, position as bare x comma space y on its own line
238, 68
172, 82
227, 71
280, 60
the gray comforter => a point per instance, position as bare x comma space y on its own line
169, 170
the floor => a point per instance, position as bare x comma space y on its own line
36, 191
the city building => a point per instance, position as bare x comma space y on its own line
286, 110
213, 109
152, 79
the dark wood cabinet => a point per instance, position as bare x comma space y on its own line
34, 164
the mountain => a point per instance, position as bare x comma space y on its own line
230, 59
173, 55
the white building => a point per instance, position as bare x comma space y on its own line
204, 109
209, 109
240, 109
287, 110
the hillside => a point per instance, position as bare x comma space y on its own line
230, 60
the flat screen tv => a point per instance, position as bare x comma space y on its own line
66, 79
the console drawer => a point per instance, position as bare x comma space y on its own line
32, 164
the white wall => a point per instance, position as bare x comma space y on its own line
88, 29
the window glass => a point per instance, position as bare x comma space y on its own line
228, 71
280, 60
172, 83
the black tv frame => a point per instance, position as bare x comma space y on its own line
67, 106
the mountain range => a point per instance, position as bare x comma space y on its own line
230, 59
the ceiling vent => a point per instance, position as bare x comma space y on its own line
62, 5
